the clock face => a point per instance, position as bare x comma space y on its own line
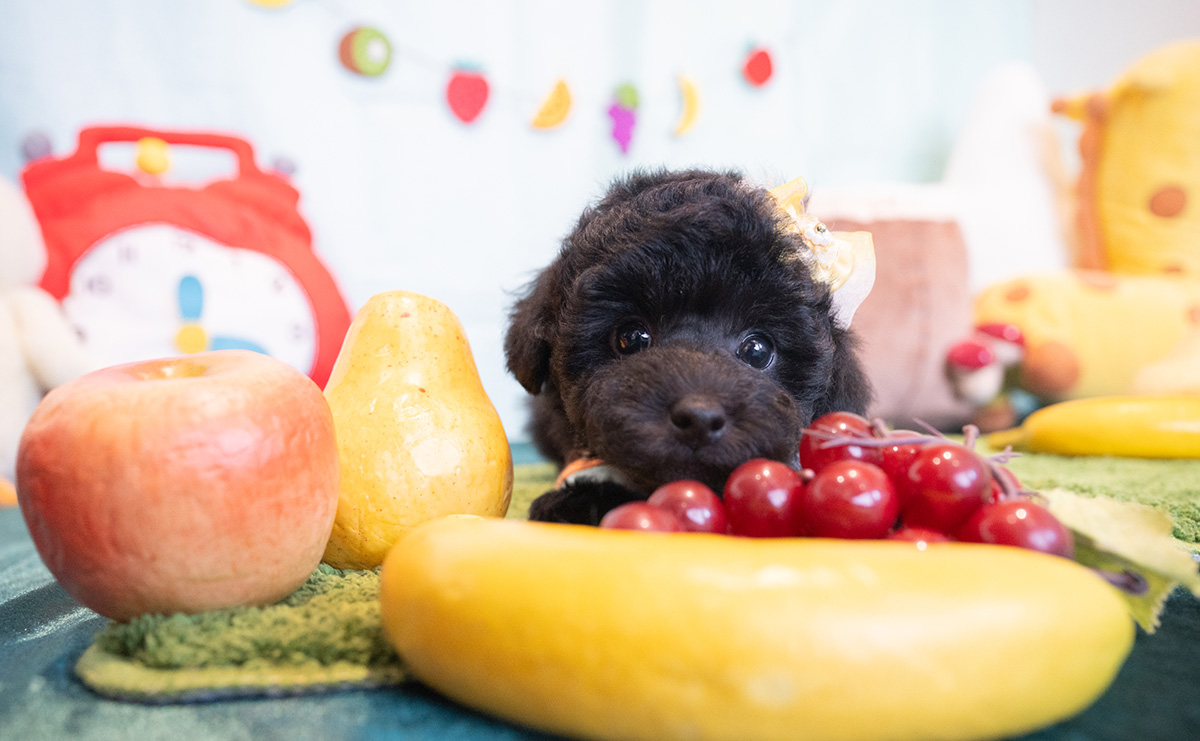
155, 290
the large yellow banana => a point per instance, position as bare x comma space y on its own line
1129, 426
603, 634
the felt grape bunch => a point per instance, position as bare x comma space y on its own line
861, 480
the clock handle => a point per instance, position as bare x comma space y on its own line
91, 138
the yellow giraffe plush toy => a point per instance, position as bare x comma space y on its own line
1126, 318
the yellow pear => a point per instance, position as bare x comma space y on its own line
417, 435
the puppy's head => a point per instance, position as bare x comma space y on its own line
678, 334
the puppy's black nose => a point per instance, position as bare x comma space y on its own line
697, 420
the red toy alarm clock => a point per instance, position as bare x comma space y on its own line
147, 270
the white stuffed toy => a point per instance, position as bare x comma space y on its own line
39, 349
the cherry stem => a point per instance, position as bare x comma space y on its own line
1008, 491
970, 435
833, 440
928, 427
1004, 456
820, 434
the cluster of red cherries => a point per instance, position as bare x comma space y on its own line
860, 480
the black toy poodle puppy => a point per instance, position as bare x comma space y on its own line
677, 334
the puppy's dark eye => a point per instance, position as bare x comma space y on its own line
631, 337
756, 351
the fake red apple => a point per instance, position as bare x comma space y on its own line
181, 485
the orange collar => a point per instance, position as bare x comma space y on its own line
591, 470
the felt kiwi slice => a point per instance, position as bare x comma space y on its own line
365, 51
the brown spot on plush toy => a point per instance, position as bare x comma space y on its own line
1168, 202
1017, 293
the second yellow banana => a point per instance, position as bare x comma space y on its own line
1127, 426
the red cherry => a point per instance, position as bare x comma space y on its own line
467, 93
814, 454
944, 485
919, 535
849, 499
761, 499
896, 457
695, 505
757, 69
1019, 522
641, 516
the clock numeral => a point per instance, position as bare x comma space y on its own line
127, 253
99, 284
279, 283
299, 332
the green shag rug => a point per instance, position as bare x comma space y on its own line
327, 636
1170, 486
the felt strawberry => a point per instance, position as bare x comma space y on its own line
467, 93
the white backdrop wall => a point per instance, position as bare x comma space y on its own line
400, 194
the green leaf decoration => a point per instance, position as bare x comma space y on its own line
1132, 544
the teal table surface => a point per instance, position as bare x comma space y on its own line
43, 631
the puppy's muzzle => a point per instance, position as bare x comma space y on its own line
671, 413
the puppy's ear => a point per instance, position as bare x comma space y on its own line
531, 330
849, 390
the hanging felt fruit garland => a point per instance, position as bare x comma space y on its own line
367, 51
466, 93
623, 113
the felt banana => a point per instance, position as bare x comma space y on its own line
594, 633
1129, 426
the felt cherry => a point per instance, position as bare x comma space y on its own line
758, 68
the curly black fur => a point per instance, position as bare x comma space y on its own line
702, 260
